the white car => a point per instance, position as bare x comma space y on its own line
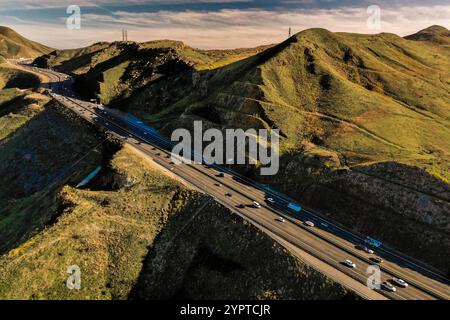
400, 282
280, 219
350, 264
256, 205
310, 224
369, 251
325, 225
389, 287
271, 200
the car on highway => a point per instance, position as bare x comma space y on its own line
270, 200
364, 248
400, 282
256, 205
218, 185
377, 259
325, 225
310, 224
241, 206
350, 264
221, 175
388, 287
229, 194
280, 219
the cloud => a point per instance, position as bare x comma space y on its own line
227, 28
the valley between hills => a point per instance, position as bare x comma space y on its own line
365, 141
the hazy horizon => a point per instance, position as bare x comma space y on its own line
209, 24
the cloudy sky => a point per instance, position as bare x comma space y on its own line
214, 23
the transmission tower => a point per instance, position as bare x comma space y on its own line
124, 35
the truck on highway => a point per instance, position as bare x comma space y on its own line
295, 207
373, 242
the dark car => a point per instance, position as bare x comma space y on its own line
377, 259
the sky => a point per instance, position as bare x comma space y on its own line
213, 24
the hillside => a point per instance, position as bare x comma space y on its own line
14, 46
13, 77
341, 96
111, 72
115, 228
364, 121
434, 34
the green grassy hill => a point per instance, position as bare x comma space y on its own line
355, 96
118, 227
365, 121
111, 72
435, 34
12, 77
13, 45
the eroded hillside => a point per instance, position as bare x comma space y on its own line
112, 72
364, 121
113, 229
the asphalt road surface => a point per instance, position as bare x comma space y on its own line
325, 246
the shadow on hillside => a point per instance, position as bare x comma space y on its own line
36, 161
388, 201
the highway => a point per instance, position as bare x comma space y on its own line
324, 247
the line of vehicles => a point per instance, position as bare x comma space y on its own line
366, 247
369, 242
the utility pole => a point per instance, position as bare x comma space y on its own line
290, 32
124, 35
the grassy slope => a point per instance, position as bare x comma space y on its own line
16, 109
389, 101
13, 45
119, 237
434, 34
113, 71
361, 98
12, 77
105, 233
372, 103
29, 186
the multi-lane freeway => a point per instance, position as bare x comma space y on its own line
325, 247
